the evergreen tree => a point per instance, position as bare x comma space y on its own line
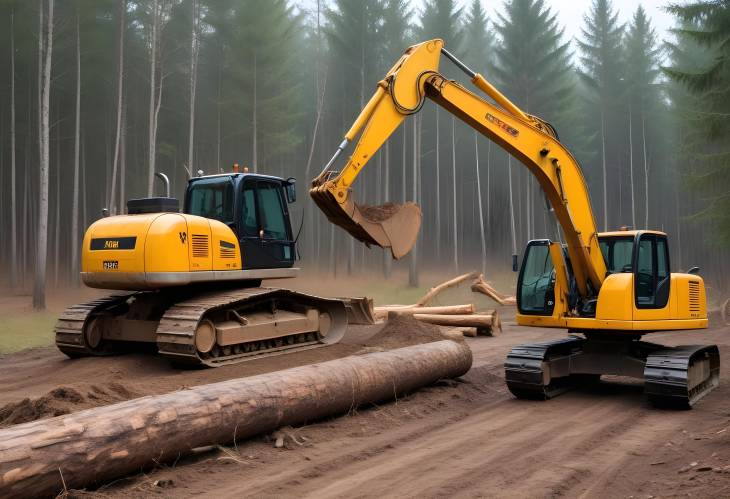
644, 98
602, 72
533, 68
442, 19
478, 38
705, 74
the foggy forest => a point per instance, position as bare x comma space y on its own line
98, 95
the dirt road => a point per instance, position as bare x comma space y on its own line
462, 439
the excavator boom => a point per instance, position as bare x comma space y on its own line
532, 141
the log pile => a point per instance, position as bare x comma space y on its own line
46, 457
462, 316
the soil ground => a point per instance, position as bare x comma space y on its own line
468, 438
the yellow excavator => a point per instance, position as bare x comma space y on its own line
191, 281
607, 289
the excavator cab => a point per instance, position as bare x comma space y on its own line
255, 207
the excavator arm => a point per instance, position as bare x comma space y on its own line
527, 138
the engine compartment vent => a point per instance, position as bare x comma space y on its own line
694, 296
227, 250
200, 245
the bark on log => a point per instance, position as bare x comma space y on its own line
385, 311
97, 445
481, 286
443, 286
488, 320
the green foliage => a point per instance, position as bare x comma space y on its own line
533, 61
700, 68
442, 19
478, 38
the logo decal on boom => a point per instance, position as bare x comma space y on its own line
504, 126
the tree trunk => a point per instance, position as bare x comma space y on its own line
453, 179
631, 168
194, 49
120, 93
603, 164
646, 173
94, 446
77, 156
39, 288
57, 221
438, 189
255, 159
387, 260
13, 201
479, 203
512, 212
413, 266
153, 91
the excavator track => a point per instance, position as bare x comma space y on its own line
680, 376
177, 329
70, 330
235, 324
674, 377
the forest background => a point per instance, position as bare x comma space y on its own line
97, 95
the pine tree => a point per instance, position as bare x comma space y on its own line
642, 69
533, 68
602, 62
478, 40
705, 74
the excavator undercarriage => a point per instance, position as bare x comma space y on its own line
673, 376
206, 326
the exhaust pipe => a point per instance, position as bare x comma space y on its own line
166, 181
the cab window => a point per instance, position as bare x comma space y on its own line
617, 253
211, 198
250, 223
652, 278
271, 211
535, 287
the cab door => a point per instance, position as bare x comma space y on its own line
265, 236
652, 277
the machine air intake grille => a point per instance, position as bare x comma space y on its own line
694, 296
227, 250
200, 245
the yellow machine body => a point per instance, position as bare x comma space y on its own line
152, 251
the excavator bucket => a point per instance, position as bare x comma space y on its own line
390, 225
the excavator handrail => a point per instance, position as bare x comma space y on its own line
529, 139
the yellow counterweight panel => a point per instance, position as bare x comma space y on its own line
166, 244
616, 298
225, 250
119, 239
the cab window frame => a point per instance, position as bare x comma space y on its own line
661, 292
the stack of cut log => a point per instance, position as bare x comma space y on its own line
464, 316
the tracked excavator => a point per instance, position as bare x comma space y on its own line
607, 289
190, 283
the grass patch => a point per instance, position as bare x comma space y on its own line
29, 329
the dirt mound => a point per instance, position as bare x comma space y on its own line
402, 331
62, 400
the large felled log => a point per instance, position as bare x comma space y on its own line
488, 320
481, 286
385, 311
433, 292
94, 446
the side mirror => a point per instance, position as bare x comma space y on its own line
515, 266
694, 270
291, 189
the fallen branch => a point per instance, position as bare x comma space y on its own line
97, 445
433, 292
481, 286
